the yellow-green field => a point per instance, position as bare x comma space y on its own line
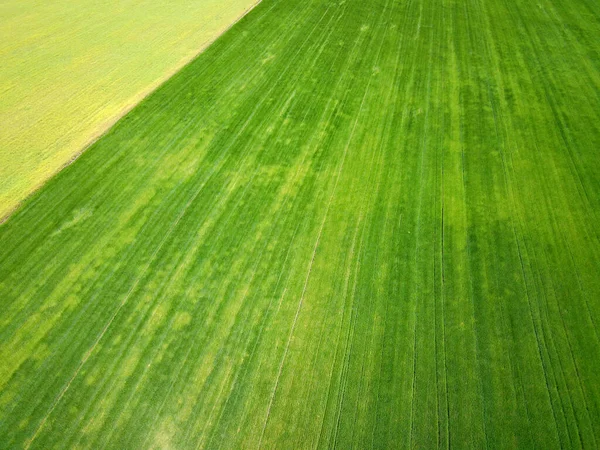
69, 69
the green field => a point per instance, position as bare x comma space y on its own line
346, 224
69, 69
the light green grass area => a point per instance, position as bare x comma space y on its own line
346, 224
70, 69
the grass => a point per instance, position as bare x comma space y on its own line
352, 224
69, 70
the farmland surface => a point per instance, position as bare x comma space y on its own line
69, 69
346, 224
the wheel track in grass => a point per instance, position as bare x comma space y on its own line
295, 178
348, 347
268, 309
281, 299
338, 175
405, 120
351, 294
398, 71
364, 220
437, 195
417, 250
468, 242
299, 307
441, 281
381, 147
237, 372
352, 321
347, 278
536, 332
329, 113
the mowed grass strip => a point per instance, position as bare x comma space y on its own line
69, 70
344, 225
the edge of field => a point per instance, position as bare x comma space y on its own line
106, 126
